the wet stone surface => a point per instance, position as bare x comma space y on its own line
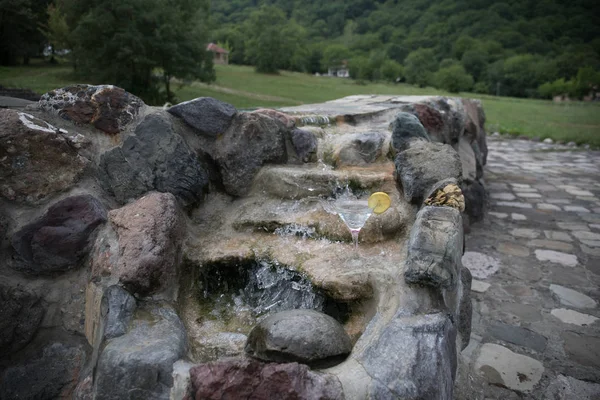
537, 269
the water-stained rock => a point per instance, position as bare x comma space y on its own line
37, 160
435, 248
155, 158
249, 379
106, 107
139, 364
406, 128
146, 254
21, 313
424, 164
210, 117
251, 141
304, 336
59, 240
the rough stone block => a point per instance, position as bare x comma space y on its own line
435, 248
424, 164
413, 358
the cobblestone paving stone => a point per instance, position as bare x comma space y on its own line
536, 318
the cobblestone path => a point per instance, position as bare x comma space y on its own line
535, 262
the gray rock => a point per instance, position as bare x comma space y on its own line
304, 336
251, 141
21, 313
435, 248
569, 388
465, 313
476, 199
120, 306
467, 159
305, 144
59, 240
139, 364
361, 149
424, 164
53, 374
518, 335
405, 128
413, 358
582, 349
209, 116
155, 158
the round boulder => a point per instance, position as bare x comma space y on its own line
304, 336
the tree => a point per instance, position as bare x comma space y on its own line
453, 78
475, 61
334, 55
139, 44
392, 71
419, 67
56, 30
19, 33
265, 45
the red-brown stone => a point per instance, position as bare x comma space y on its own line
430, 118
253, 380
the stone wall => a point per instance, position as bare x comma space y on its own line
108, 209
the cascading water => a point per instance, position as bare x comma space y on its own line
248, 291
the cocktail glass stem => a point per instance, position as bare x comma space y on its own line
355, 233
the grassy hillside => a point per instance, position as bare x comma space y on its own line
244, 88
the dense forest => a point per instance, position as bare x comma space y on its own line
525, 48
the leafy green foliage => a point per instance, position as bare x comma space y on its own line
550, 39
20, 37
141, 44
453, 78
420, 66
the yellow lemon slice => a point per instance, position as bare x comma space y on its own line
379, 202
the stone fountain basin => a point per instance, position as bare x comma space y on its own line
283, 221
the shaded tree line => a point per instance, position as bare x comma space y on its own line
524, 48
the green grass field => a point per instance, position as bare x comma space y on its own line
244, 88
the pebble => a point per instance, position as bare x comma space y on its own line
498, 215
514, 204
579, 192
518, 217
576, 209
573, 317
572, 298
479, 286
569, 260
572, 226
551, 244
513, 249
558, 235
586, 235
546, 206
481, 265
502, 367
529, 195
525, 233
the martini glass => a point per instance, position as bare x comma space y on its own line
354, 213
